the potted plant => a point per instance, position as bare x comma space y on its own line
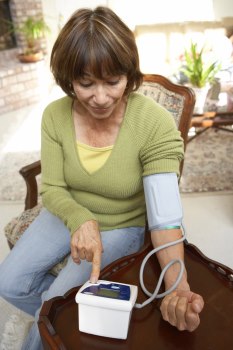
200, 75
32, 30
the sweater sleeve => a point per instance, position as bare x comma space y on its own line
163, 149
55, 194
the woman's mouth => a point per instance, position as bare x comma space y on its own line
99, 109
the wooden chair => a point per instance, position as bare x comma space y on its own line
178, 99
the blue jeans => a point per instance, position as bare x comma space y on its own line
24, 278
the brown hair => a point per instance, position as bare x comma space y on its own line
97, 41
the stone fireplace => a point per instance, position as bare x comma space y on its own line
7, 38
21, 84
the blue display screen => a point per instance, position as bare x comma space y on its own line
111, 290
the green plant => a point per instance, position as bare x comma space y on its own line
196, 70
32, 30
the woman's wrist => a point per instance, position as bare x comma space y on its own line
183, 285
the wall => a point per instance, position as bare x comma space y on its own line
148, 11
57, 12
165, 11
222, 9
22, 84
163, 38
162, 45
157, 11
138, 13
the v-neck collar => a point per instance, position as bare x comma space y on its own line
115, 145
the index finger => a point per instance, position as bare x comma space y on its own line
96, 265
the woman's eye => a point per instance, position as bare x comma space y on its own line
85, 84
113, 82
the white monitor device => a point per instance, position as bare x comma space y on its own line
105, 308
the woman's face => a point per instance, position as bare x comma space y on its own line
100, 98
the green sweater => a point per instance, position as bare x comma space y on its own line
148, 142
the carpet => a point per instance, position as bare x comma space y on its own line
14, 326
208, 166
12, 185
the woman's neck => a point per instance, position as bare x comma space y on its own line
97, 132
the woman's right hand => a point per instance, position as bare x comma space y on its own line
86, 245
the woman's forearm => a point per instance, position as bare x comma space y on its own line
166, 255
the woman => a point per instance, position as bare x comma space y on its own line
102, 145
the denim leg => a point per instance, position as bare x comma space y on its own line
116, 243
24, 273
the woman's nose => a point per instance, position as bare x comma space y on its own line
100, 94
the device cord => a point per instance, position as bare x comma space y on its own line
155, 295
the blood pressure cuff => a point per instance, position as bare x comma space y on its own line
163, 203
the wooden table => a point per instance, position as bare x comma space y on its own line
218, 119
211, 120
58, 322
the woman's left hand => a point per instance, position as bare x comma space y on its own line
181, 309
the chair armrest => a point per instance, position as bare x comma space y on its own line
29, 173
